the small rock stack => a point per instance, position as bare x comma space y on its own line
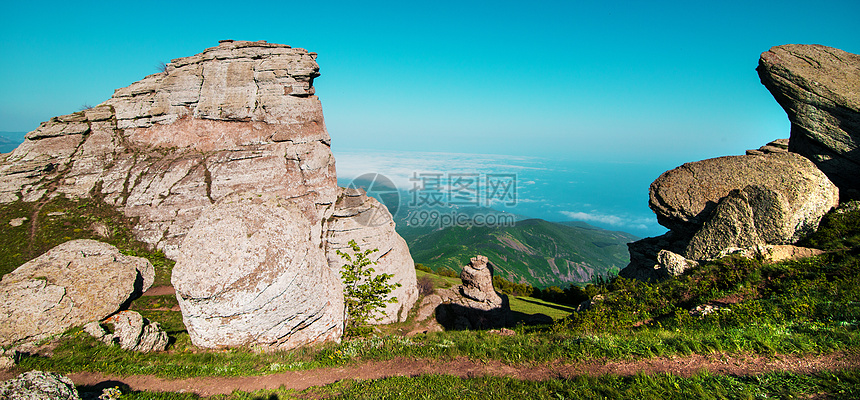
474, 304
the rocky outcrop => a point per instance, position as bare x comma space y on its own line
253, 272
74, 283
367, 221
38, 385
774, 198
474, 304
227, 144
239, 116
131, 331
817, 86
683, 198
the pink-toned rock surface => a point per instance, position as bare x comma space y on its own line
240, 116
237, 121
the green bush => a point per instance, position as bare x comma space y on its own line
364, 294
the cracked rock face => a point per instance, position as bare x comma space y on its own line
819, 89
237, 117
253, 273
224, 162
72, 284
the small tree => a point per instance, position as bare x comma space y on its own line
363, 293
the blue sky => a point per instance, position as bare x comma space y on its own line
656, 83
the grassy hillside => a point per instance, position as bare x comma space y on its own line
534, 251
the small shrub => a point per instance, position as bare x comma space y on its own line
425, 285
363, 293
422, 267
447, 272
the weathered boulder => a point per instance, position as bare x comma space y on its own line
131, 331
684, 198
674, 264
367, 221
252, 271
745, 218
772, 198
38, 385
819, 89
70, 285
474, 304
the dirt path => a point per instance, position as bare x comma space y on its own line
462, 367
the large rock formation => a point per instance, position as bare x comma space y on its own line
74, 283
683, 198
367, 221
819, 89
772, 198
253, 272
240, 116
210, 136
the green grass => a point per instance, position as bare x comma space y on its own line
802, 307
836, 385
530, 305
60, 220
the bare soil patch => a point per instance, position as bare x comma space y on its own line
159, 291
739, 365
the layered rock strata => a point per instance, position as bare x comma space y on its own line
229, 143
237, 117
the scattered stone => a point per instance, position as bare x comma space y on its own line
817, 87
502, 332
131, 331
18, 221
252, 273
706, 309
38, 385
427, 308
101, 229
772, 253
8, 359
73, 283
674, 264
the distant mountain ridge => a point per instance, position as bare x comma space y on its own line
533, 251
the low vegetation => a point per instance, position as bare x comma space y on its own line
730, 306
